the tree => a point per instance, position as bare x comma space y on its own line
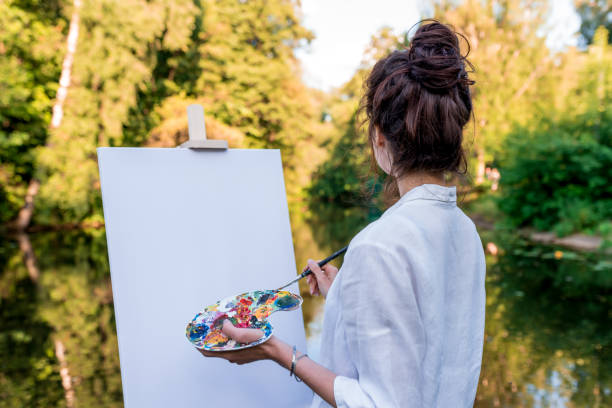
131, 71
343, 191
27, 374
25, 214
249, 71
111, 63
512, 68
30, 58
555, 174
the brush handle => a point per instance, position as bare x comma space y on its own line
324, 261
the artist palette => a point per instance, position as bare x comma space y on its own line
250, 309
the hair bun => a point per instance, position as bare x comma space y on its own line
435, 58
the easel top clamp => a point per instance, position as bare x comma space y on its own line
197, 132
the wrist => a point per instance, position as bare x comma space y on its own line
279, 351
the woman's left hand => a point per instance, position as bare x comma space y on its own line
317, 377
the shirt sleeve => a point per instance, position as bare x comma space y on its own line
384, 331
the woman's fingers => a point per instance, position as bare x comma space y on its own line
321, 278
331, 271
323, 281
241, 335
313, 287
207, 353
226, 355
312, 283
243, 356
317, 271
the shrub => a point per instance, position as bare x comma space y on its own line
558, 178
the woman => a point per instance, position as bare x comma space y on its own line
404, 317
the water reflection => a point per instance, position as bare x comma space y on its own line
58, 345
548, 336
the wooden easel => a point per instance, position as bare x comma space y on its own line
197, 131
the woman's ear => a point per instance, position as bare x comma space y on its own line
381, 153
379, 139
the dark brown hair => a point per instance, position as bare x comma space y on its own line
419, 99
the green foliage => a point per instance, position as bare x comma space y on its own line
545, 119
71, 302
547, 312
174, 59
137, 61
342, 192
28, 375
555, 181
508, 92
249, 69
29, 67
514, 71
557, 174
112, 60
340, 179
343, 195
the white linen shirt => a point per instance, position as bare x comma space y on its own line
403, 324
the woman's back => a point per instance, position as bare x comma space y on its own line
404, 318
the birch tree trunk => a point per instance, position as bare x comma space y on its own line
64, 373
25, 214
29, 259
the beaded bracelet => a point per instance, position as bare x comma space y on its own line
294, 362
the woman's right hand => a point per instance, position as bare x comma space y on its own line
320, 279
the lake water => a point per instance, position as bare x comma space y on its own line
547, 344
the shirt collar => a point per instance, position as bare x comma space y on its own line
434, 192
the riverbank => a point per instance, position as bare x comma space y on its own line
484, 213
580, 242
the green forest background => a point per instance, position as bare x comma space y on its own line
542, 118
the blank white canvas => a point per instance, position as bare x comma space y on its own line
186, 228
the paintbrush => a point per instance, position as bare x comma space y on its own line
321, 263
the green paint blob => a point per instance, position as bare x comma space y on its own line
286, 302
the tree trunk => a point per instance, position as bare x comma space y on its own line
25, 214
64, 373
65, 77
30, 262
28, 256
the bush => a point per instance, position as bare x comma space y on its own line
558, 178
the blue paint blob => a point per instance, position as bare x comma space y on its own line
197, 332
